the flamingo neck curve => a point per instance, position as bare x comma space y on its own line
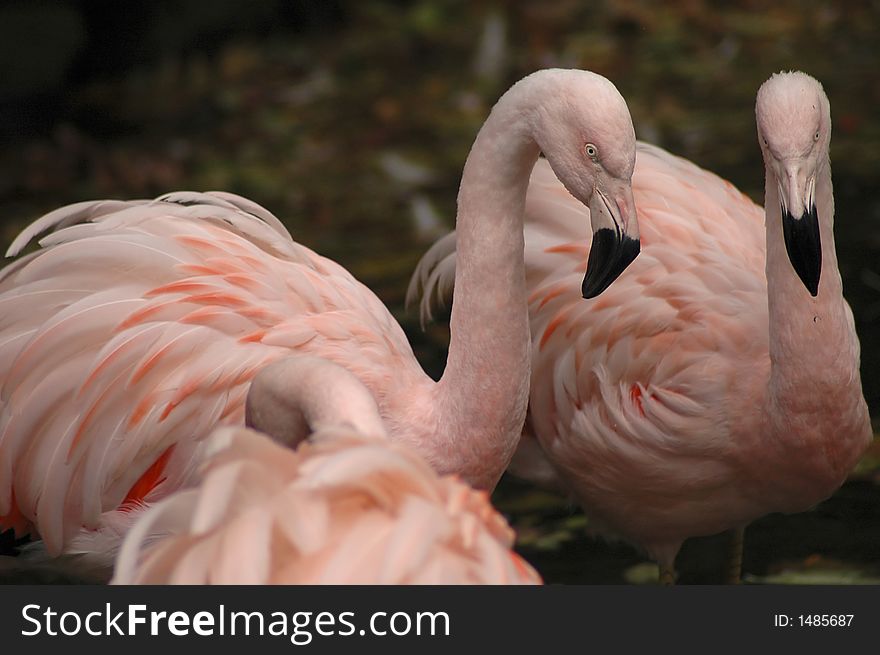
480, 402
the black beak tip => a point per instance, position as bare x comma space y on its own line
804, 247
609, 257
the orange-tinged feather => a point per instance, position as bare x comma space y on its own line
150, 479
574, 247
552, 326
253, 337
248, 373
223, 298
202, 316
143, 315
15, 520
260, 314
555, 292
186, 390
522, 568
222, 381
201, 243
198, 269
253, 263
180, 286
149, 365
242, 280
635, 393
140, 411
102, 366
84, 422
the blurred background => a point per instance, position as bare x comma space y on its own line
351, 122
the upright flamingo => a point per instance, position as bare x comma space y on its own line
711, 384
139, 326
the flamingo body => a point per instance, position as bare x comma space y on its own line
143, 327
341, 509
626, 390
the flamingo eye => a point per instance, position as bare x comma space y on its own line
816, 136
591, 151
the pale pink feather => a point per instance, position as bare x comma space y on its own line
341, 509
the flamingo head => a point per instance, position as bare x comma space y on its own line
794, 132
587, 136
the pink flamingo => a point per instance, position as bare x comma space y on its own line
707, 387
347, 507
139, 326
341, 509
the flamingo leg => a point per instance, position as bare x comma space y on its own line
667, 575
735, 555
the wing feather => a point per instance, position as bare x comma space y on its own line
138, 325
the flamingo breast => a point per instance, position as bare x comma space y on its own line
638, 396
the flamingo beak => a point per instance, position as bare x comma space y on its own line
615, 239
800, 226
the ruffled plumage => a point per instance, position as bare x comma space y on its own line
341, 509
137, 328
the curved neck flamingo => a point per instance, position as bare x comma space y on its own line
115, 380
471, 420
481, 399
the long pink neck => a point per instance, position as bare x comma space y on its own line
481, 400
814, 402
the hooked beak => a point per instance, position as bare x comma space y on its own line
615, 239
800, 225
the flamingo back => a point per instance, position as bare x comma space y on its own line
136, 328
341, 509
